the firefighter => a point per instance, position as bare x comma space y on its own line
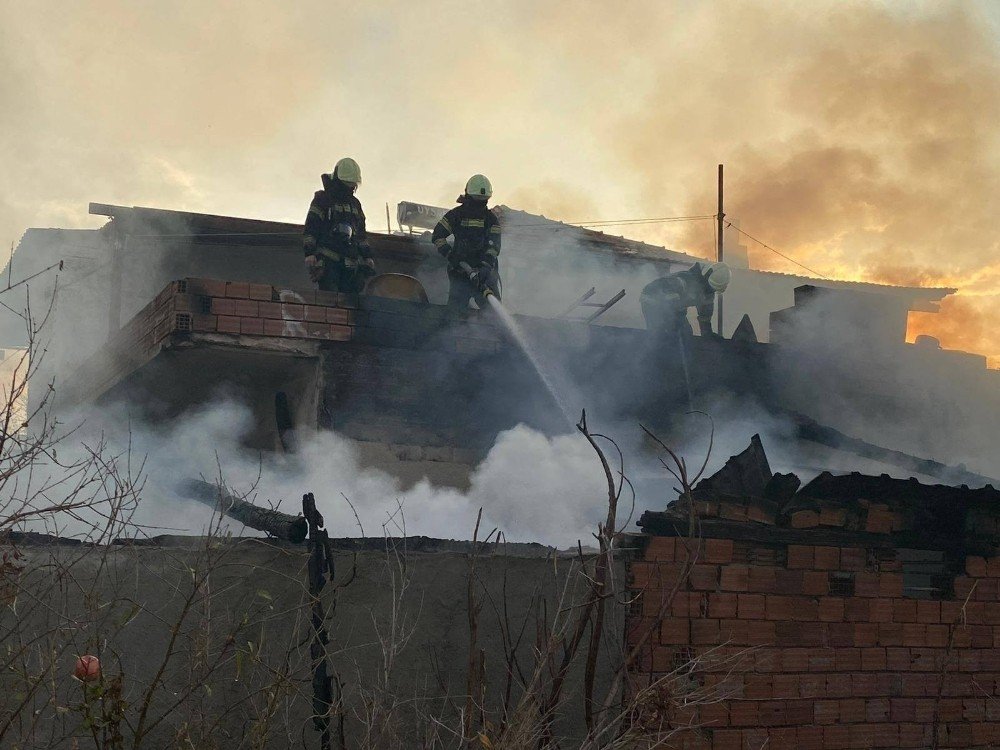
665, 302
473, 259
338, 257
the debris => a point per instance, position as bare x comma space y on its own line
277, 524
745, 474
745, 331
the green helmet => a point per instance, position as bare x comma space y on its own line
347, 170
479, 188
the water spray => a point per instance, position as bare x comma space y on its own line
517, 335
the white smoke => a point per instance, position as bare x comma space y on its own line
530, 486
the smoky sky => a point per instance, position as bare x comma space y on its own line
859, 138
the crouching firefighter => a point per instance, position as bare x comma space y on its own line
473, 260
665, 302
338, 257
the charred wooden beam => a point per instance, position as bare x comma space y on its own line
277, 524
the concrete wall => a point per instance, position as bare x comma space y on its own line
399, 637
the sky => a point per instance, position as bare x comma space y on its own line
860, 139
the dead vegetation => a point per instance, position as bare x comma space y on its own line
201, 648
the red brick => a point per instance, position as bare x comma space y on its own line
832, 517
705, 632
686, 604
795, 659
787, 582
228, 324
827, 558
799, 712
951, 612
292, 311
992, 613
880, 610
221, 306
237, 289
340, 333
841, 634
928, 611
252, 326
914, 634
852, 710
675, 631
339, 316
314, 313
722, 605
880, 735
831, 609
734, 578
826, 712
847, 659
246, 308
772, 713
762, 579
804, 519
836, 737
890, 585
866, 584
727, 739
744, 714
822, 660
975, 567
719, 551
760, 632
879, 520
203, 322
937, 635
659, 548
809, 738
206, 287
260, 291
839, 686
857, 609
866, 634
779, 607
815, 583
914, 735
897, 659
873, 659
800, 557
269, 310
274, 328
785, 686
904, 610
853, 558
750, 606
863, 684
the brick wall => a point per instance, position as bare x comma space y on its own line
832, 645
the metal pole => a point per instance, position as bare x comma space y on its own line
720, 251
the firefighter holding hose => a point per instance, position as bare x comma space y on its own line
334, 240
665, 302
473, 259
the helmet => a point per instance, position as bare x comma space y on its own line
718, 276
479, 188
348, 171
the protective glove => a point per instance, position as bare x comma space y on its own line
350, 264
314, 266
446, 250
367, 266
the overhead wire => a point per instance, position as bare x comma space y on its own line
776, 251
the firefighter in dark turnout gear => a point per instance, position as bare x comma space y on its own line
338, 257
476, 230
665, 302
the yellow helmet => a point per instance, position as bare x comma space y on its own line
347, 170
718, 276
479, 187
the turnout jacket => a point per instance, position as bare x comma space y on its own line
477, 234
682, 290
335, 224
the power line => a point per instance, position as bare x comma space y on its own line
776, 252
610, 222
